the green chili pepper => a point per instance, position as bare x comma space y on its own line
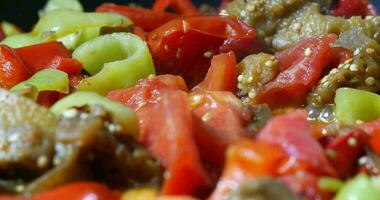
330, 184
125, 116
46, 80
354, 106
72, 41
21, 40
62, 22
62, 4
115, 60
361, 187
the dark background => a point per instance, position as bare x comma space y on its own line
24, 12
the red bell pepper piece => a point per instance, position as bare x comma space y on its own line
221, 75
183, 7
49, 55
185, 46
145, 18
13, 70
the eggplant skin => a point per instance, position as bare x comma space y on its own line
40, 151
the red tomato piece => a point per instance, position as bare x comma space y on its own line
217, 123
183, 7
302, 66
185, 46
169, 137
78, 191
373, 130
145, 18
349, 8
221, 75
68, 65
13, 70
345, 152
37, 57
247, 160
293, 133
147, 91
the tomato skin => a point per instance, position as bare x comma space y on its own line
373, 130
223, 126
293, 133
145, 18
147, 91
183, 7
185, 46
345, 155
222, 74
13, 70
299, 72
39, 56
349, 8
247, 160
169, 137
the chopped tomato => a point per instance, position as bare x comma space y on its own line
222, 74
68, 65
147, 91
293, 133
13, 70
169, 137
247, 160
349, 8
217, 123
78, 191
145, 18
373, 130
301, 66
183, 7
39, 56
345, 150
185, 46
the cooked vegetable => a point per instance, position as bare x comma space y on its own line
12, 68
354, 106
121, 57
21, 40
46, 80
185, 46
62, 4
124, 115
361, 187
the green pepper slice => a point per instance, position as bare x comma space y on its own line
62, 4
353, 106
115, 60
125, 116
361, 187
46, 80
21, 40
61, 22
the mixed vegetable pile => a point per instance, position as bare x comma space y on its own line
256, 99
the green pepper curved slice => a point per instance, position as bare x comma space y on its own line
125, 116
353, 105
115, 60
61, 22
21, 40
361, 187
46, 80
62, 4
